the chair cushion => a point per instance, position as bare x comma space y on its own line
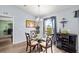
34, 42
43, 44
50, 36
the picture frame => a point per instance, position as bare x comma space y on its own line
30, 23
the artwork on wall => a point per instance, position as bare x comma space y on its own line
30, 23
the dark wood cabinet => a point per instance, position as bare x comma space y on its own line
67, 42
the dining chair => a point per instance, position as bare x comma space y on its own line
30, 42
47, 44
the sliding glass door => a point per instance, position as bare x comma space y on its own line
49, 27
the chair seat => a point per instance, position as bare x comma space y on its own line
44, 44
34, 42
50, 36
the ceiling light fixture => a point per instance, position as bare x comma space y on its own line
25, 5
38, 5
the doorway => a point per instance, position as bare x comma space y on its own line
49, 24
6, 31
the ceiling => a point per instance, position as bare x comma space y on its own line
43, 10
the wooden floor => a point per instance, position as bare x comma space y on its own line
21, 48
17, 48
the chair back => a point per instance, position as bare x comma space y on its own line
27, 37
49, 41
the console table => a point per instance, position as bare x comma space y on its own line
67, 42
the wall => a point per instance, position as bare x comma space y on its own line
72, 24
19, 17
41, 27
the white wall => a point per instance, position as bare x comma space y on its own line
41, 27
19, 18
72, 24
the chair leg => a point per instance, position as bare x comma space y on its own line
41, 48
46, 50
51, 50
27, 47
30, 49
34, 47
38, 48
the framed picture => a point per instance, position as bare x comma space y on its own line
30, 24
